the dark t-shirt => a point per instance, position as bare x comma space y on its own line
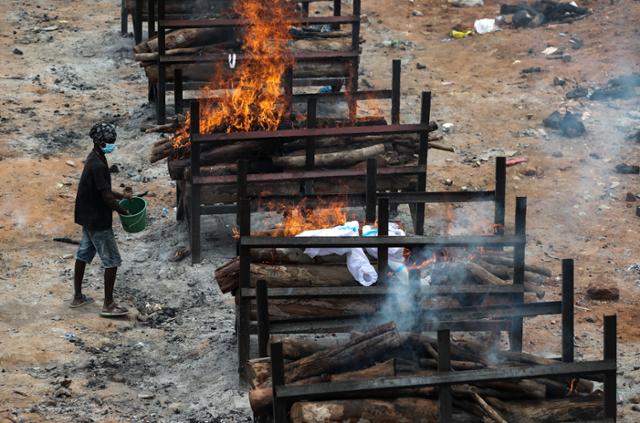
91, 211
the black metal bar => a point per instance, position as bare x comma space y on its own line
277, 380
425, 112
241, 191
311, 56
244, 306
391, 241
381, 291
224, 22
196, 247
161, 92
151, 21
137, 22
337, 11
285, 134
515, 338
177, 90
355, 62
567, 311
383, 231
305, 8
445, 401
348, 325
371, 190
610, 354
437, 197
124, 18
395, 92
287, 81
315, 174
262, 305
360, 95
310, 147
373, 386
500, 192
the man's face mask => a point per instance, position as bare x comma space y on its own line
108, 148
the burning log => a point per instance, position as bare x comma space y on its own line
506, 272
520, 389
356, 352
227, 276
331, 160
291, 256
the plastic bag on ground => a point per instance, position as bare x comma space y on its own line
485, 26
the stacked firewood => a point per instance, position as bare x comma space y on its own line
385, 352
288, 267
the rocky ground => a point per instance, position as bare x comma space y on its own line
65, 66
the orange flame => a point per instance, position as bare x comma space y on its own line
300, 218
254, 102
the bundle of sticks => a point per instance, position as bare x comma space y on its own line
289, 267
385, 352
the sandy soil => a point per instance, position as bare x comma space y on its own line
173, 358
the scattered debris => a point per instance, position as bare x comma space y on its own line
457, 34
70, 163
542, 12
627, 169
180, 254
485, 26
577, 92
603, 293
559, 82
420, 66
17, 51
447, 128
570, 124
631, 197
516, 160
576, 43
67, 240
533, 69
549, 50
466, 3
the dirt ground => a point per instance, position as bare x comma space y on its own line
65, 66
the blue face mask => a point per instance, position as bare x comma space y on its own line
108, 148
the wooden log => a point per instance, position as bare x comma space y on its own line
331, 160
508, 261
259, 372
261, 399
187, 37
491, 412
319, 308
227, 275
400, 410
455, 364
328, 44
551, 410
295, 348
506, 272
357, 352
205, 72
524, 389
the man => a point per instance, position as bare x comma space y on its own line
95, 202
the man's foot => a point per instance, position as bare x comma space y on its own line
80, 301
113, 310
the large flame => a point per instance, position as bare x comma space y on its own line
254, 101
299, 218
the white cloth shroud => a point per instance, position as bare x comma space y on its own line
357, 261
396, 254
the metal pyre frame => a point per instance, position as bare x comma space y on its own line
195, 208
284, 395
350, 58
502, 317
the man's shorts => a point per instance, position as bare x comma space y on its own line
104, 243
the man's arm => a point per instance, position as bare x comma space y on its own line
127, 193
109, 198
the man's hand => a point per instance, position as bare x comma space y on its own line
127, 193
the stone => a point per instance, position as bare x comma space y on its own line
146, 395
603, 293
630, 197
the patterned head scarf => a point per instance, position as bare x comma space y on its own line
103, 132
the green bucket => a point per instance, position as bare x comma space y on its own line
136, 220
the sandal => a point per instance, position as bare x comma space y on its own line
113, 310
79, 302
